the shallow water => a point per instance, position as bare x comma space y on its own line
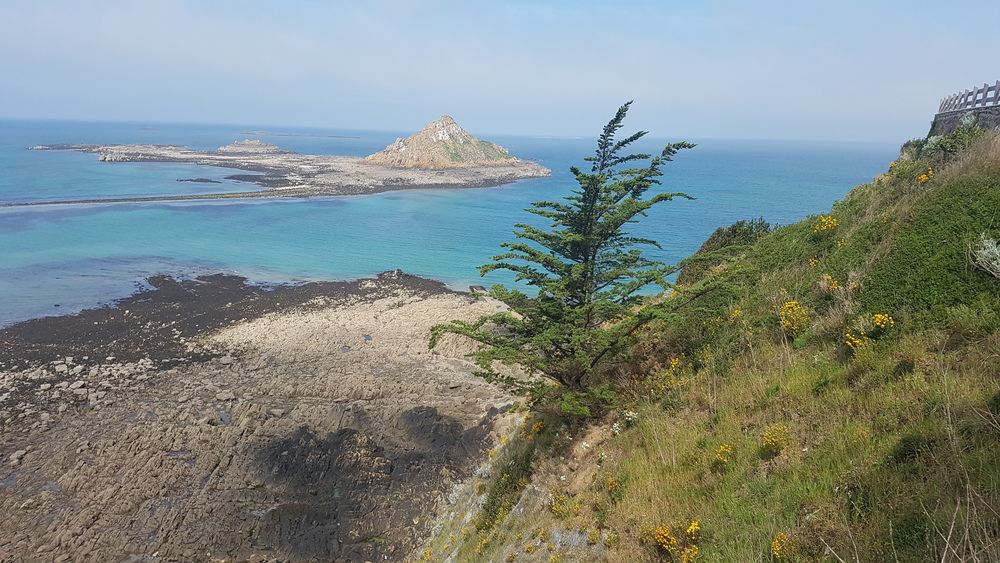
58, 259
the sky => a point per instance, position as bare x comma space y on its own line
851, 70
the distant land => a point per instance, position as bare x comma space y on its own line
270, 134
441, 156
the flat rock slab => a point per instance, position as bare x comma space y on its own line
304, 425
288, 174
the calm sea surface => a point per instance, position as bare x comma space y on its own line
59, 259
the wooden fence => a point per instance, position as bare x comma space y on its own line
975, 98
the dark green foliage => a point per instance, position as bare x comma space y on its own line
861, 500
515, 470
928, 265
909, 534
821, 385
720, 246
589, 402
617, 490
946, 147
586, 270
908, 448
942, 148
994, 404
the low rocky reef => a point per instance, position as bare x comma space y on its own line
438, 158
211, 420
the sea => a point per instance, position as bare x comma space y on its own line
59, 259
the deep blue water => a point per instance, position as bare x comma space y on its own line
79, 256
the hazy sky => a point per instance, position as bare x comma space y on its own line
773, 69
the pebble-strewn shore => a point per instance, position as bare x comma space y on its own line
299, 425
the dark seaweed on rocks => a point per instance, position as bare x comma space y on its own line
151, 323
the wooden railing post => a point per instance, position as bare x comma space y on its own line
974, 98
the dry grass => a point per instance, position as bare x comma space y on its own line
984, 154
890, 454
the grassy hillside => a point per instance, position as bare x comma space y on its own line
832, 394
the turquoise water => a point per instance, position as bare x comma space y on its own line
58, 259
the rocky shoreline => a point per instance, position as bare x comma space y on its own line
288, 174
210, 420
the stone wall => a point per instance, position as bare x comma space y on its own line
946, 123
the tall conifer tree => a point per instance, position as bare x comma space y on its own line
587, 272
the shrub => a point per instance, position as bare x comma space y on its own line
680, 546
908, 448
794, 318
945, 147
986, 255
994, 404
783, 546
774, 440
720, 246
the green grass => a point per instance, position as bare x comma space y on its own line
893, 447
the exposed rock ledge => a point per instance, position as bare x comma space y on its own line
290, 174
212, 421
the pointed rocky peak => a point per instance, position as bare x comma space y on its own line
445, 129
442, 143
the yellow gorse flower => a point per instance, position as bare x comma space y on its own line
883, 321
782, 547
683, 547
613, 484
826, 223
794, 318
925, 176
775, 438
693, 529
855, 341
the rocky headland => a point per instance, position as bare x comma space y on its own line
441, 156
210, 420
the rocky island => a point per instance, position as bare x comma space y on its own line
442, 155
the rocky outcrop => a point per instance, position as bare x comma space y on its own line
248, 146
322, 432
442, 144
946, 123
127, 153
288, 174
